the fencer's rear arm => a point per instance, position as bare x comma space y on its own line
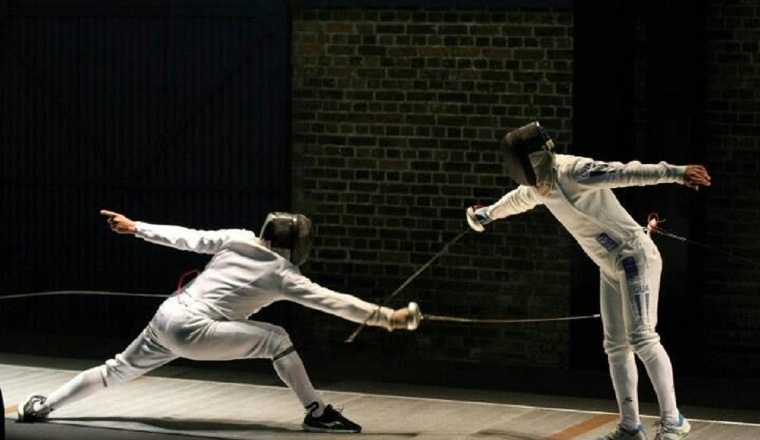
178, 237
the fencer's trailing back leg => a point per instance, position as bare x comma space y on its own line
84, 384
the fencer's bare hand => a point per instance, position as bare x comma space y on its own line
696, 176
119, 223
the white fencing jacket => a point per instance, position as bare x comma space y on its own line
244, 276
581, 198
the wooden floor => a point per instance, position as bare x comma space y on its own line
172, 406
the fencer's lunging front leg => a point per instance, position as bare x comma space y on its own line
291, 370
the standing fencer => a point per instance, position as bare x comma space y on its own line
208, 318
578, 192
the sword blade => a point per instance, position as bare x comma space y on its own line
504, 321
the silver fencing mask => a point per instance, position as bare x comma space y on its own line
289, 235
519, 147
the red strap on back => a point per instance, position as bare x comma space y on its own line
182, 279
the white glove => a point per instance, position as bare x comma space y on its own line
477, 217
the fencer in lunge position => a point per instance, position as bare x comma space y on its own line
208, 318
578, 192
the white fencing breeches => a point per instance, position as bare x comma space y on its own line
178, 329
181, 328
629, 315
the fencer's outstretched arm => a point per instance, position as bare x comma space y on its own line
592, 173
204, 242
518, 200
602, 174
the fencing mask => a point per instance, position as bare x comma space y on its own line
528, 154
289, 235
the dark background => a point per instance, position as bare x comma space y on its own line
380, 123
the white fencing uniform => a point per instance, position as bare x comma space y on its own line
207, 320
580, 196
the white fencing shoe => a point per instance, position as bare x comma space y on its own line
672, 431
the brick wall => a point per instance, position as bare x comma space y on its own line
732, 300
396, 117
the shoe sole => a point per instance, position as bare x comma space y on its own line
328, 430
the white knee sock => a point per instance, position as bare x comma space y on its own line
625, 380
82, 385
291, 370
660, 371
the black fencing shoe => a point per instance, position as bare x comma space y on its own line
330, 421
29, 410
